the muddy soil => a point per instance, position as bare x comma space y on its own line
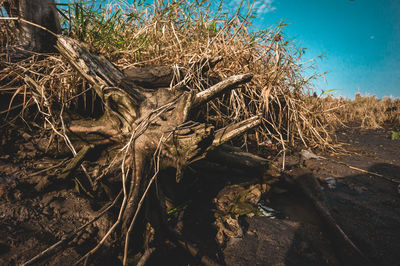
366, 206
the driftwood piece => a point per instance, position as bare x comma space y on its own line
219, 88
229, 132
127, 106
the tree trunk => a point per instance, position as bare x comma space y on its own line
40, 12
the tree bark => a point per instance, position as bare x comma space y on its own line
40, 12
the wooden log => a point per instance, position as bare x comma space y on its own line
150, 77
235, 157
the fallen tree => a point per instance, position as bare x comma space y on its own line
152, 125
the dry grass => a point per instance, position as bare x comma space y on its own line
368, 112
180, 33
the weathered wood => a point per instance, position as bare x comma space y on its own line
96, 69
143, 260
151, 77
229, 132
164, 76
75, 162
68, 170
235, 157
219, 88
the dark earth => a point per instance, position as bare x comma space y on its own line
365, 205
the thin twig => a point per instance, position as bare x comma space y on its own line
30, 23
156, 158
368, 172
49, 168
145, 256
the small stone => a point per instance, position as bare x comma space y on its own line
331, 182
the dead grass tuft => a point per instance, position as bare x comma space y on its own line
179, 33
368, 112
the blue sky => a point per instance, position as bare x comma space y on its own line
360, 39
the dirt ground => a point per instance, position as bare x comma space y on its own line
366, 206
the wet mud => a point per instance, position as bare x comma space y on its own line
365, 204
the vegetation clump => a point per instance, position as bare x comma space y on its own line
178, 33
368, 112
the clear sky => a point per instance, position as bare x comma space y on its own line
360, 39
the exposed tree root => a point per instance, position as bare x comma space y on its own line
151, 123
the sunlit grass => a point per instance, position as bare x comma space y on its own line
180, 33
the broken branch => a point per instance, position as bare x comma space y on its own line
219, 88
